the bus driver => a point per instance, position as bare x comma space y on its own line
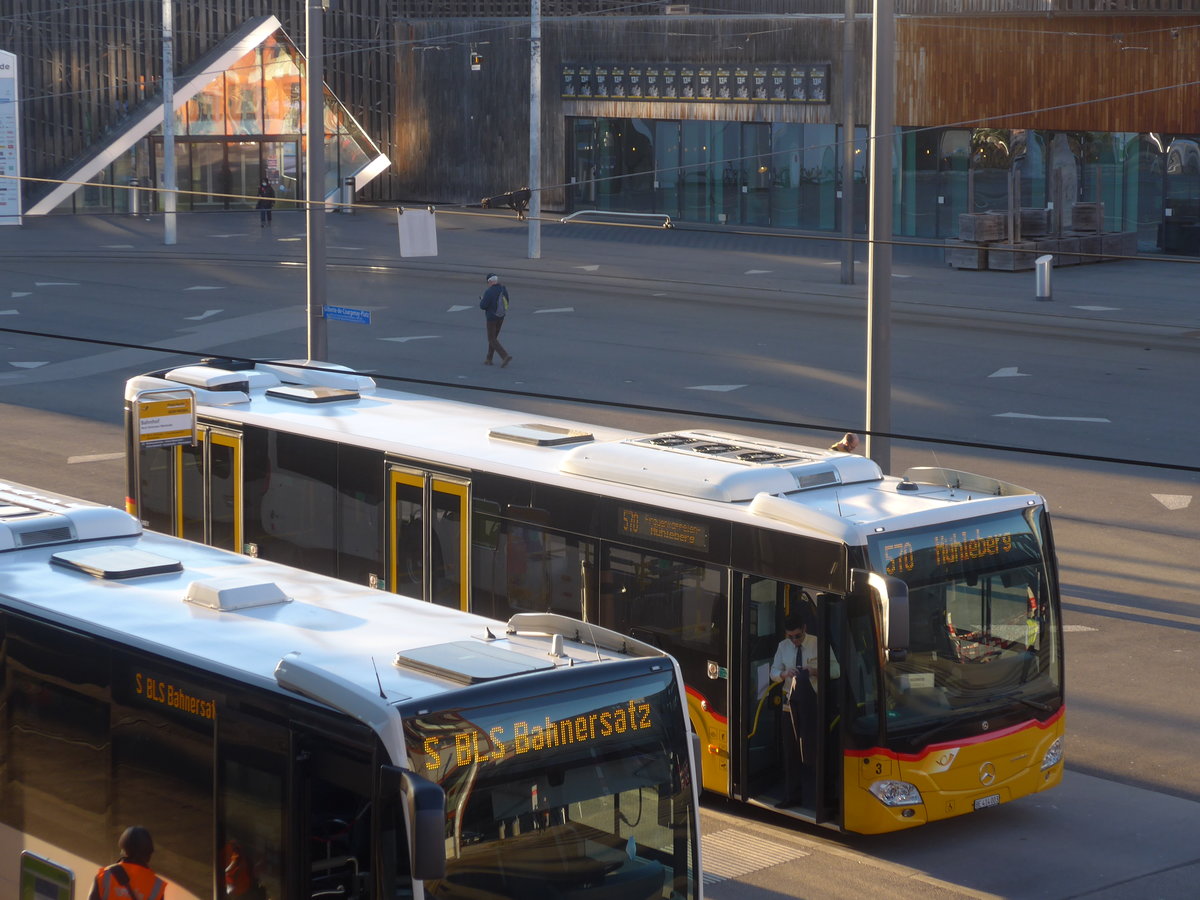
796, 664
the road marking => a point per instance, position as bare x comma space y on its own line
117, 246
232, 234
204, 315
716, 387
415, 337
559, 309
16, 294
1079, 628
659, 294
204, 287
289, 240
95, 457
1008, 372
733, 853
758, 272
1174, 501
1098, 308
459, 308
1012, 415
588, 268
57, 283
9, 312
29, 365
343, 248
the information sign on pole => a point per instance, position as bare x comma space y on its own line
42, 879
165, 418
10, 141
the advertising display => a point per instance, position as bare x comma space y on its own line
10, 142
762, 83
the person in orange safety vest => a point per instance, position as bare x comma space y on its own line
130, 877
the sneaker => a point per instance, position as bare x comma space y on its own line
507, 360
487, 362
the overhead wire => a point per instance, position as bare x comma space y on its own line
639, 407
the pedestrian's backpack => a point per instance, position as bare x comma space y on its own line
502, 304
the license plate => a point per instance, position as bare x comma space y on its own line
985, 802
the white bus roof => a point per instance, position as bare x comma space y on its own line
93, 568
768, 484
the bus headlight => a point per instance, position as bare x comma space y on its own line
896, 793
1053, 756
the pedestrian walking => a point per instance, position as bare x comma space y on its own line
494, 304
130, 876
266, 202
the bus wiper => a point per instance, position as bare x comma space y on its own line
1035, 704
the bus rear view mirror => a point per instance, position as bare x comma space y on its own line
889, 599
425, 820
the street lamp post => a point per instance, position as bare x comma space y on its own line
535, 129
168, 127
314, 161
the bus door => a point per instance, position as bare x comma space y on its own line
195, 491
331, 790
428, 536
788, 730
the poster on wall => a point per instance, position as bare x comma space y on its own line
10, 142
633, 81
762, 83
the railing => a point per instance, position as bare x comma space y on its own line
619, 215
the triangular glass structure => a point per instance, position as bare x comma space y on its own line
239, 118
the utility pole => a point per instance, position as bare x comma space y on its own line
535, 129
314, 181
879, 290
168, 31
848, 88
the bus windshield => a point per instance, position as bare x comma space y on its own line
983, 626
584, 793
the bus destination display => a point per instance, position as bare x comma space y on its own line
669, 530
469, 744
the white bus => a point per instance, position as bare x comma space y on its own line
936, 592
286, 735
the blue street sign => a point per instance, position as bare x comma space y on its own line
348, 314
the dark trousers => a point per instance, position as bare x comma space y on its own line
800, 745
493, 336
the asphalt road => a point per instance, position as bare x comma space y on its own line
735, 325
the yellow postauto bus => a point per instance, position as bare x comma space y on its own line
932, 596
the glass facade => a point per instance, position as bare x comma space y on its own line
246, 124
784, 175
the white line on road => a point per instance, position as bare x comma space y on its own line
204, 315
1008, 372
733, 853
9, 312
29, 365
1098, 308
15, 294
716, 387
56, 283
588, 268
95, 457
117, 246
1079, 628
758, 272
460, 308
559, 309
1174, 501
415, 337
1013, 415
204, 287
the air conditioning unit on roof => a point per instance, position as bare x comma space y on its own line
676, 9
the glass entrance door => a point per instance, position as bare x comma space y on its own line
428, 539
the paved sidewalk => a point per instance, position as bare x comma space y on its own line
707, 261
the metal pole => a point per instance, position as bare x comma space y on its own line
535, 129
168, 26
848, 89
314, 180
879, 291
